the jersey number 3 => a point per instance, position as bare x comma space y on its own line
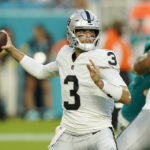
113, 58
73, 92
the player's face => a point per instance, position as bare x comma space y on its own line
85, 36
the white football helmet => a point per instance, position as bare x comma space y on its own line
83, 19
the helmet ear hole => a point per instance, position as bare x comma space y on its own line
76, 43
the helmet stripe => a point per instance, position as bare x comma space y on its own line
88, 16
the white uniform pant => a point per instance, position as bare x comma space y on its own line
137, 135
100, 140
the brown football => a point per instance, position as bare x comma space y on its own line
3, 39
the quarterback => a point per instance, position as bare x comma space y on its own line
90, 83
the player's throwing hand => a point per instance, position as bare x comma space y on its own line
9, 44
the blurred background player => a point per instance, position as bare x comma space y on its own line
8, 69
37, 94
115, 40
139, 19
139, 15
138, 88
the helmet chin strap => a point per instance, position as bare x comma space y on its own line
86, 46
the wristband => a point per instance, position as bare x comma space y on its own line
112, 91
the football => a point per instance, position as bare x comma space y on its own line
3, 39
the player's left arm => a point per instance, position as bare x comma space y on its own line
117, 92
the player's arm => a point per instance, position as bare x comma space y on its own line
117, 92
39, 70
32, 66
142, 64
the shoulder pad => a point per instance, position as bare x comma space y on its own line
105, 59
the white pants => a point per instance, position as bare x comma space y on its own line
101, 140
137, 135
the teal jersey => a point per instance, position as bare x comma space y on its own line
138, 89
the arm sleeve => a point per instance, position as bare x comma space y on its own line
38, 70
112, 76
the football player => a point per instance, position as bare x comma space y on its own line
136, 114
138, 89
90, 83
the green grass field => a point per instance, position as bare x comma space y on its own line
20, 134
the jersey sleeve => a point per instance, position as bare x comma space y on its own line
38, 70
112, 76
60, 53
111, 60
106, 59
109, 67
